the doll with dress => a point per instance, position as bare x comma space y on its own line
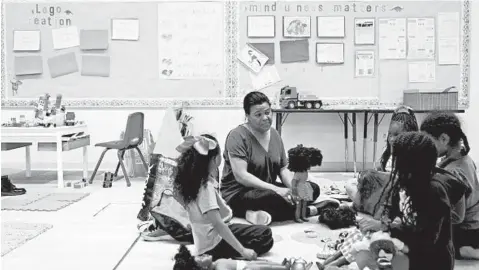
301, 159
185, 261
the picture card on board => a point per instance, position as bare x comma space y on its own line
330, 26
268, 76
95, 65
125, 29
261, 26
267, 49
252, 58
66, 37
364, 31
26, 40
296, 26
93, 39
364, 64
329, 53
294, 50
28, 65
62, 64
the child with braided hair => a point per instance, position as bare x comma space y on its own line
425, 209
445, 130
402, 120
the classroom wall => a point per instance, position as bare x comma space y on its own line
323, 130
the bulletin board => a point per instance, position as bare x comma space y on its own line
337, 83
134, 78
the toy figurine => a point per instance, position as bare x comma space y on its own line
301, 159
297, 264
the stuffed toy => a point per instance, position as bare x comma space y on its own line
185, 261
382, 249
301, 159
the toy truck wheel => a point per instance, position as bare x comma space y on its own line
291, 105
309, 105
317, 105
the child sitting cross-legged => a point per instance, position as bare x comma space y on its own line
371, 184
196, 188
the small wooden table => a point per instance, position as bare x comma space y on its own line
48, 139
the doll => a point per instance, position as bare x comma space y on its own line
297, 264
382, 248
301, 159
185, 261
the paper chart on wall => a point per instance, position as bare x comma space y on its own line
364, 66
364, 31
422, 71
421, 38
265, 78
448, 38
392, 38
190, 40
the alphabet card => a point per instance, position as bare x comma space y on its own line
252, 58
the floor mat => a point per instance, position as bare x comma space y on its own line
48, 177
15, 234
41, 201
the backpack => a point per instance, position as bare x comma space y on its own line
160, 203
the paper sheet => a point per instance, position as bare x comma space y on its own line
265, 78
449, 38
421, 38
364, 31
294, 50
330, 26
65, 37
392, 38
125, 29
190, 40
364, 65
62, 64
261, 26
422, 71
26, 40
266, 49
28, 65
329, 53
95, 65
252, 58
93, 39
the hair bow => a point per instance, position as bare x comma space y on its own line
200, 143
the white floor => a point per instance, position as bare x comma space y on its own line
96, 232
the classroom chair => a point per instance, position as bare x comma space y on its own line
132, 138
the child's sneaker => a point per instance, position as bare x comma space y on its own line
150, 232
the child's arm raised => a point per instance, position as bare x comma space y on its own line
220, 226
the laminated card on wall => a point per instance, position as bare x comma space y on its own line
62, 64
125, 29
66, 37
28, 65
93, 39
26, 40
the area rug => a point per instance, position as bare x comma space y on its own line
41, 201
48, 177
15, 234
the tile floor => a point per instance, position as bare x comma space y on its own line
96, 233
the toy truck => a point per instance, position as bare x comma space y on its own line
290, 98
